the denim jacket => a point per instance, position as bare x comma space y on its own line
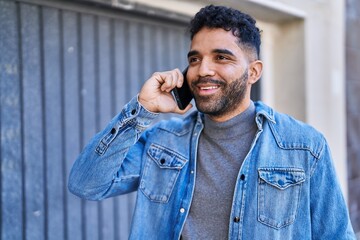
286, 188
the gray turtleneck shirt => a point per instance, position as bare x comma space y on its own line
222, 148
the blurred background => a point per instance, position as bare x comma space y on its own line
67, 67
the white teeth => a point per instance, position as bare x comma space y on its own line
209, 88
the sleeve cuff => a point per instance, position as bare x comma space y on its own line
134, 109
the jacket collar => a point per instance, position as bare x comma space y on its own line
263, 111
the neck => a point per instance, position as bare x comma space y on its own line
229, 115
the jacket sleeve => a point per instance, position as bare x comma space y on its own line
329, 213
103, 168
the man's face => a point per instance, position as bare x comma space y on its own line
218, 73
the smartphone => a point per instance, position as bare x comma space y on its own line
182, 95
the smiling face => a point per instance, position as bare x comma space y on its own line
221, 73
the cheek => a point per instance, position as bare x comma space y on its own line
191, 76
231, 74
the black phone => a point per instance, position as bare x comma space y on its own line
183, 95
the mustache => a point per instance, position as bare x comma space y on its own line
206, 80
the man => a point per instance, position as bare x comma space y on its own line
234, 169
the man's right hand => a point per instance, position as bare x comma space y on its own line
156, 96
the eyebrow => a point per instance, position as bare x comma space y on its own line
222, 51
192, 53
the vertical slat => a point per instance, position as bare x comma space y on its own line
153, 45
177, 50
167, 60
33, 123
140, 56
158, 49
53, 124
162, 38
104, 112
88, 110
173, 43
71, 117
119, 64
122, 225
104, 72
185, 47
133, 58
148, 55
10, 124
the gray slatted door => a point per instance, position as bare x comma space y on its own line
65, 70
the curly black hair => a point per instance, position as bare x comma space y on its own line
241, 24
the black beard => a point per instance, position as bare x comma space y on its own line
231, 97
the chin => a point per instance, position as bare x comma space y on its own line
209, 108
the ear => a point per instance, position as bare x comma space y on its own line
255, 71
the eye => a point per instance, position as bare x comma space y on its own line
222, 57
193, 59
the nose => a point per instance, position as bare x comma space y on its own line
206, 69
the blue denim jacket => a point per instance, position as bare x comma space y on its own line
286, 188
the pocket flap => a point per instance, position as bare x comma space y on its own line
282, 178
166, 158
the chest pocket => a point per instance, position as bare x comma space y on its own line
161, 171
279, 195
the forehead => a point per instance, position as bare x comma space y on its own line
215, 38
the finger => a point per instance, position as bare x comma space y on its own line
170, 80
167, 82
180, 79
174, 79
